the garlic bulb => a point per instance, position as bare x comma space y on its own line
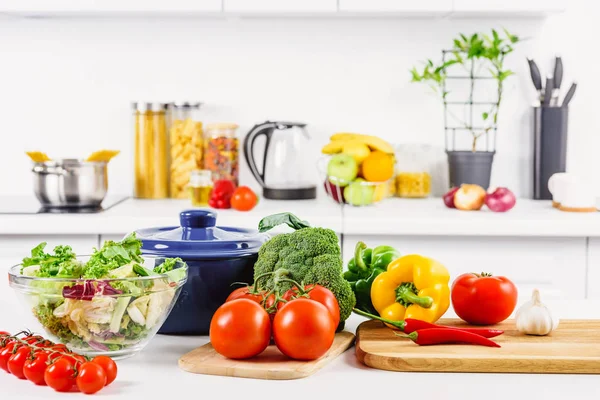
534, 318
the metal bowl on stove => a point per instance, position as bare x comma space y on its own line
70, 183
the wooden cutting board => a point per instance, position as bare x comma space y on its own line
270, 364
574, 348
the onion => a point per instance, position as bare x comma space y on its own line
97, 346
469, 197
449, 197
500, 200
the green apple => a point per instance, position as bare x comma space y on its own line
358, 193
342, 169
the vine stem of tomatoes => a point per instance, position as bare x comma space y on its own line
53, 354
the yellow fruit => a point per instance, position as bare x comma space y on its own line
381, 192
374, 142
344, 136
356, 149
378, 167
38, 156
102, 155
333, 147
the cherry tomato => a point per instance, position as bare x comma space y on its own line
17, 361
319, 294
34, 339
303, 329
243, 199
109, 366
240, 329
5, 355
60, 375
91, 378
35, 368
4, 333
483, 299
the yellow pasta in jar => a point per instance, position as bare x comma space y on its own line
186, 154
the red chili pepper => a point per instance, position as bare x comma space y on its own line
426, 337
412, 325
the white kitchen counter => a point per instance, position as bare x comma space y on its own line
390, 217
153, 374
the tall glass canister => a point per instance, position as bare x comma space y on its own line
221, 152
151, 151
185, 135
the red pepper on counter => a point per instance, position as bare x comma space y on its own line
426, 337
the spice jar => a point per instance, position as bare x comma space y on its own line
185, 134
221, 153
413, 178
151, 144
199, 187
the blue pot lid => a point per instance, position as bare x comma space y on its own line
198, 237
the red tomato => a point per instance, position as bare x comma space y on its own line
60, 376
91, 378
4, 333
240, 329
17, 361
5, 355
244, 293
220, 195
483, 299
35, 368
317, 293
109, 366
243, 199
303, 329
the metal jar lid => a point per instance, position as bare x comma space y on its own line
185, 104
149, 106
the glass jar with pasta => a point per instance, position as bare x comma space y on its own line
151, 146
413, 178
221, 151
185, 133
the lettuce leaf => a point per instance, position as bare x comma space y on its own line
60, 264
113, 255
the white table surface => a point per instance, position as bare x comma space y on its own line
390, 217
153, 374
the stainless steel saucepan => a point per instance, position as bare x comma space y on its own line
70, 183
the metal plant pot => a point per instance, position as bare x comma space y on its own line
470, 167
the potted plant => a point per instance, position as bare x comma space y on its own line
479, 57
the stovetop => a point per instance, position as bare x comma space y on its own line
11, 205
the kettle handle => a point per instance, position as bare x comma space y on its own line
260, 129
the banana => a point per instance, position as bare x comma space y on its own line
339, 139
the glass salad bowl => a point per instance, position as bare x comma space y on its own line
114, 317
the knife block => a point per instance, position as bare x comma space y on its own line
550, 128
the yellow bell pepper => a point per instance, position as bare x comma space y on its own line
413, 287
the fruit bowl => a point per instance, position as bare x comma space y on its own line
114, 317
355, 192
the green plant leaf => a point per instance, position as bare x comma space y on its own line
485, 116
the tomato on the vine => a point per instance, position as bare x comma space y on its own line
319, 294
246, 293
17, 361
109, 366
303, 329
240, 329
35, 368
483, 299
5, 355
60, 375
4, 333
91, 378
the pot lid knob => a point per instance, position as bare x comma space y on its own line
197, 219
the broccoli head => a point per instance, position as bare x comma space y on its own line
308, 256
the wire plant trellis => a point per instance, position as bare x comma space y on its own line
449, 128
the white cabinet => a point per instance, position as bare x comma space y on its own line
593, 271
396, 6
14, 247
523, 7
109, 7
556, 266
280, 6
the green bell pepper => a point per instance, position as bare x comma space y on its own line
366, 265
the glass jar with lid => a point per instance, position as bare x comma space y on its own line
151, 150
199, 187
185, 135
221, 151
413, 178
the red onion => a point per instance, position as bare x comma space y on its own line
500, 200
449, 198
88, 289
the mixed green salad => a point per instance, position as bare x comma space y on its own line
103, 310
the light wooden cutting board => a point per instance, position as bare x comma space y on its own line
574, 348
270, 364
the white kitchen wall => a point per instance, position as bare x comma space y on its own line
66, 84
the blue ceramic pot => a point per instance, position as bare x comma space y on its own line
216, 258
